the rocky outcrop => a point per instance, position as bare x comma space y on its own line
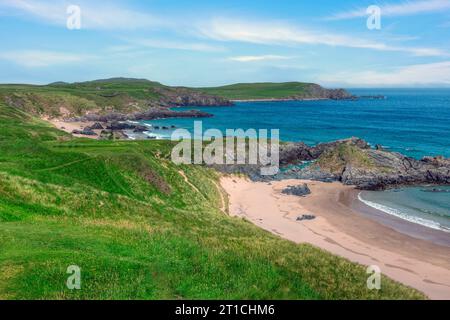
97, 126
293, 153
151, 114
353, 162
300, 190
86, 132
178, 96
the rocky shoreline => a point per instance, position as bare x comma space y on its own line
351, 162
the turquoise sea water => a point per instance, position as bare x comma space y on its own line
415, 122
427, 205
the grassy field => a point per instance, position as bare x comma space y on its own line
268, 90
125, 214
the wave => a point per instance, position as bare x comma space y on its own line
402, 215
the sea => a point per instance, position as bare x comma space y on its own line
414, 122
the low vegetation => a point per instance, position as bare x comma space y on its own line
336, 159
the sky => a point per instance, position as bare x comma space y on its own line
208, 43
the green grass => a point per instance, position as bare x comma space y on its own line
123, 213
335, 161
120, 95
266, 90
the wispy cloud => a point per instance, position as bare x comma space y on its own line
35, 58
277, 33
403, 9
431, 74
177, 45
93, 15
258, 58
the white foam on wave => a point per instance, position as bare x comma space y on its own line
399, 214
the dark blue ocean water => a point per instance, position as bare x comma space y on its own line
415, 122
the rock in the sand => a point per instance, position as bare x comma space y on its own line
97, 126
306, 217
85, 132
300, 190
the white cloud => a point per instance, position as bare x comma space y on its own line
258, 58
93, 16
431, 74
177, 45
276, 33
404, 9
35, 58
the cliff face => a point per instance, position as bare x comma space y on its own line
187, 97
316, 91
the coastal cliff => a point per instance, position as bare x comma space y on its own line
269, 91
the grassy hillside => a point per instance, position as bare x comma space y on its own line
141, 228
120, 95
266, 90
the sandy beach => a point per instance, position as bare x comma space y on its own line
70, 126
345, 227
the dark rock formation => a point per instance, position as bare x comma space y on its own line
300, 190
187, 97
86, 132
293, 153
115, 125
352, 162
306, 217
97, 126
139, 128
151, 114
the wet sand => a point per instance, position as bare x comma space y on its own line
346, 227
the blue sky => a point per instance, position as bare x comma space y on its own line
207, 43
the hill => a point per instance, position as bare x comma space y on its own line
140, 227
128, 96
277, 91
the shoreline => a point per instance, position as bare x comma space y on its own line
279, 99
344, 227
